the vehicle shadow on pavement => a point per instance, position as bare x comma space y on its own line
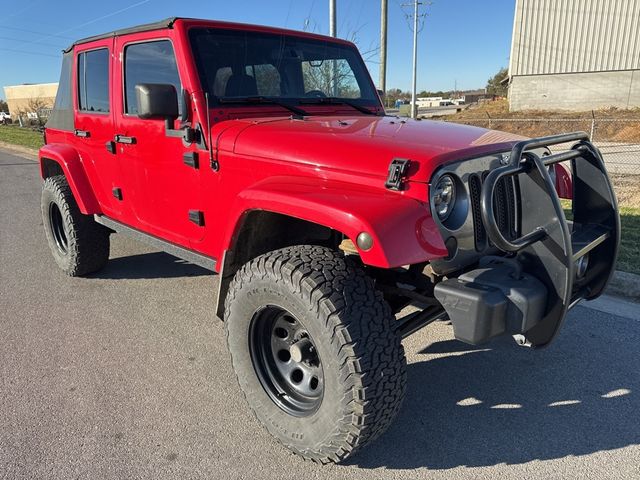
147, 266
504, 404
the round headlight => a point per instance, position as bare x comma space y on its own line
444, 196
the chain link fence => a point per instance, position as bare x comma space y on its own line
618, 140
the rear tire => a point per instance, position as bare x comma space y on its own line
315, 351
78, 243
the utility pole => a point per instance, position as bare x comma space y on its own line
383, 46
414, 106
332, 18
333, 33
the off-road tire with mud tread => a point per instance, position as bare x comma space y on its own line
87, 242
354, 332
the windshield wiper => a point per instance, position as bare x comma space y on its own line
337, 101
257, 100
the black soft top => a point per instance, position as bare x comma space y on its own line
166, 23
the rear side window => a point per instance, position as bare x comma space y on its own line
93, 81
152, 62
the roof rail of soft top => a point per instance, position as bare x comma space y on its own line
166, 23
169, 22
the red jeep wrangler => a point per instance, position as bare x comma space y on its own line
265, 156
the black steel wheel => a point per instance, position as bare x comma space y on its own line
315, 351
286, 361
78, 243
57, 227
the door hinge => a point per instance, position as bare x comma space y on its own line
191, 159
197, 217
117, 192
398, 170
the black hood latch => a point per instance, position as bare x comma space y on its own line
398, 170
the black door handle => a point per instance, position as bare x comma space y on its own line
82, 133
123, 139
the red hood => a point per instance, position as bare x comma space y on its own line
362, 144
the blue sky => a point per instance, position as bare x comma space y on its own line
462, 40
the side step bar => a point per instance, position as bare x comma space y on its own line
168, 247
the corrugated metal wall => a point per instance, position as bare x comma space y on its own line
563, 36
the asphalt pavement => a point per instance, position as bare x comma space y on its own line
126, 375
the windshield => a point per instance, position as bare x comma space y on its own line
235, 64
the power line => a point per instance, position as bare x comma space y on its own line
92, 21
28, 7
29, 53
24, 30
39, 42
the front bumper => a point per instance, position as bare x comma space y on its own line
547, 271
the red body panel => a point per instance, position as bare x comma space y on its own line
564, 182
72, 165
329, 168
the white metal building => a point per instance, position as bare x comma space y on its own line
575, 54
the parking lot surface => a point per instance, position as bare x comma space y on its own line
125, 375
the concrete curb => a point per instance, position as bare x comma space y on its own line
623, 284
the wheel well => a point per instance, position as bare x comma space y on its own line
50, 168
261, 232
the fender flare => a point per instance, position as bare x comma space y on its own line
402, 228
70, 163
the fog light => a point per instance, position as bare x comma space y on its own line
581, 265
364, 241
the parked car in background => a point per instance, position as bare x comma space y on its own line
5, 118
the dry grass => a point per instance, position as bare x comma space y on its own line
500, 109
612, 124
627, 188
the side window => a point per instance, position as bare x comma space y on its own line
152, 62
93, 81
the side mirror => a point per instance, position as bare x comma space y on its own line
381, 94
157, 100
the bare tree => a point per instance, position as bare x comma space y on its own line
335, 77
36, 105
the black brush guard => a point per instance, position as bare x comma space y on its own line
549, 252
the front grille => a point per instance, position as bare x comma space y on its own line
506, 206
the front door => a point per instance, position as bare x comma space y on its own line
163, 191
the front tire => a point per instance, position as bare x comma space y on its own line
78, 243
315, 351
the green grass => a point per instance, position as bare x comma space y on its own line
24, 137
629, 253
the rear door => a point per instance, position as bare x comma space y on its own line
163, 191
94, 121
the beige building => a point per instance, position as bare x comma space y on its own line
27, 98
575, 55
